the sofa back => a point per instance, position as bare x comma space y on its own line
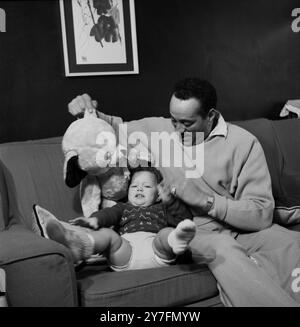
280, 140
32, 172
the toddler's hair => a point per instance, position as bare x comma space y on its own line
152, 170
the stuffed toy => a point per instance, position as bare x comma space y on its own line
97, 160
93, 159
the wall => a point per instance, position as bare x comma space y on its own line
246, 48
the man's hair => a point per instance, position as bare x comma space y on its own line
199, 89
152, 170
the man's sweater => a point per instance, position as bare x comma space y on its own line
235, 173
128, 218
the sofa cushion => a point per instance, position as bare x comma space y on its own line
280, 141
287, 208
168, 286
32, 172
35, 267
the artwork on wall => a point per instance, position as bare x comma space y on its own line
99, 37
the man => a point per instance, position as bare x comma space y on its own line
232, 201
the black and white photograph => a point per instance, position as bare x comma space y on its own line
149, 160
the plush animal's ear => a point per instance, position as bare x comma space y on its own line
73, 173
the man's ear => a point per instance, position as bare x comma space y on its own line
73, 173
212, 114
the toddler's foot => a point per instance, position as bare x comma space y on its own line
181, 236
42, 217
77, 240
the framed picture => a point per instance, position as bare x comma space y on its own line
99, 37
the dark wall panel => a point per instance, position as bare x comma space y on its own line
246, 48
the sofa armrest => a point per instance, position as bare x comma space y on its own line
39, 272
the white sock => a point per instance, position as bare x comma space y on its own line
80, 242
181, 236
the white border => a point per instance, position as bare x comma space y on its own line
133, 42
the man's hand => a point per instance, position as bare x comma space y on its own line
81, 103
91, 222
164, 192
195, 197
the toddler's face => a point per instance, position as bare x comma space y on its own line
143, 189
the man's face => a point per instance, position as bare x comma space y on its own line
185, 116
143, 189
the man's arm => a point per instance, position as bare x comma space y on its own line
114, 121
147, 125
253, 204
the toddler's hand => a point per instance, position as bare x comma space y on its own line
164, 192
91, 222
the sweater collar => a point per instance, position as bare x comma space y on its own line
220, 129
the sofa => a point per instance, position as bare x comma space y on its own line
40, 271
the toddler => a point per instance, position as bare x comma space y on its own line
149, 230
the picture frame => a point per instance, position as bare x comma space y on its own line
99, 37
